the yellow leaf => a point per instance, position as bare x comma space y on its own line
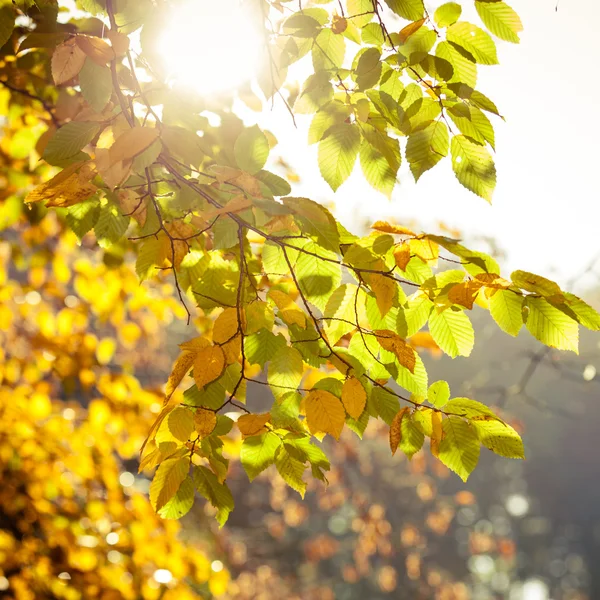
131, 143
119, 41
437, 431
167, 479
425, 249
253, 424
402, 256
491, 280
67, 61
384, 289
71, 186
396, 429
354, 397
134, 205
226, 326
324, 413
208, 365
392, 342
289, 311
182, 365
423, 339
205, 421
389, 228
236, 204
97, 49
195, 344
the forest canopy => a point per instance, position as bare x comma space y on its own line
114, 176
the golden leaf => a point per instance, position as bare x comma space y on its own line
134, 205
71, 186
250, 425
425, 249
324, 413
208, 365
396, 429
437, 431
289, 311
354, 397
226, 326
236, 204
411, 28
423, 339
167, 479
67, 61
131, 143
205, 421
119, 41
392, 342
96, 48
491, 280
195, 344
384, 289
114, 174
402, 256
385, 227
464, 293
182, 365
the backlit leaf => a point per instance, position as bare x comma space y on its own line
354, 397
500, 19
473, 166
459, 448
258, 452
337, 154
396, 429
251, 150
324, 413
552, 326
208, 365
167, 479
452, 332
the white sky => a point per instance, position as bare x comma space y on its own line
546, 207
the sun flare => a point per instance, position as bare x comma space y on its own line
211, 47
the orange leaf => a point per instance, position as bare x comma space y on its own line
182, 365
464, 293
396, 429
389, 228
402, 256
384, 289
411, 28
392, 342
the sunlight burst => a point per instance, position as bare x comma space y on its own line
211, 46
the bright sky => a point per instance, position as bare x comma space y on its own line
546, 209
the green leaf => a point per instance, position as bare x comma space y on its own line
83, 216
251, 150
218, 494
475, 41
291, 470
386, 403
368, 68
426, 148
584, 313
69, 140
411, 10
465, 407
285, 410
500, 19
278, 185
285, 371
111, 226
506, 308
318, 276
499, 437
340, 311
414, 315
7, 23
473, 123
459, 448
552, 326
376, 169
362, 8
258, 452
262, 346
181, 503
316, 221
463, 63
438, 393
412, 436
473, 166
328, 50
452, 332
96, 84
447, 14
337, 154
